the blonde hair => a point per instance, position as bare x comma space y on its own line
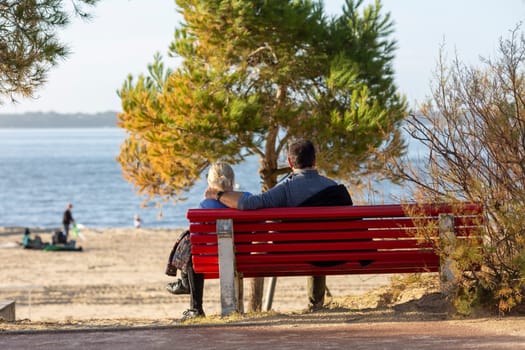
221, 177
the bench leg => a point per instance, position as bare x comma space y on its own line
230, 281
447, 235
269, 294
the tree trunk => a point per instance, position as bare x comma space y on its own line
268, 173
256, 294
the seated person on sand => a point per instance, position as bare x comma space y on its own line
29, 243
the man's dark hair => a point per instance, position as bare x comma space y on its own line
302, 154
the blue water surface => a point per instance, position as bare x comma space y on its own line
41, 170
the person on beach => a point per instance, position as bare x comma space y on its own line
220, 178
67, 219
137, 221
32, 243
303, 187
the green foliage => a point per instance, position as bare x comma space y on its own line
255, 74
29, 45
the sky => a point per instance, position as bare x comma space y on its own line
123, 36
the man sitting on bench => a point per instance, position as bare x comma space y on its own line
303, 187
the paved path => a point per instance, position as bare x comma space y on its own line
365, 336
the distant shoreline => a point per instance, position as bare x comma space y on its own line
55, 127
41, 120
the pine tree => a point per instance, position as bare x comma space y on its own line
29, 46
254, 75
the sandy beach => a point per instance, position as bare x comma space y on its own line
120, 274
118, 279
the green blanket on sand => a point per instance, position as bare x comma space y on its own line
62, 247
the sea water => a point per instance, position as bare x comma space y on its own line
41, 170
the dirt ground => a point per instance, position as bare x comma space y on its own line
118, 282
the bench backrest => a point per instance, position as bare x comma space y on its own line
329, 240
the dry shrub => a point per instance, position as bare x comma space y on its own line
473, 127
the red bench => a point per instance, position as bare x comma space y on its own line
371, 239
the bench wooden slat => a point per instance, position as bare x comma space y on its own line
379, 223
349, 268
428, 263
362, 211
393, 255
211, 238
316, 246
322, 257
462, 222
198, 238
339, 224
344, 269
